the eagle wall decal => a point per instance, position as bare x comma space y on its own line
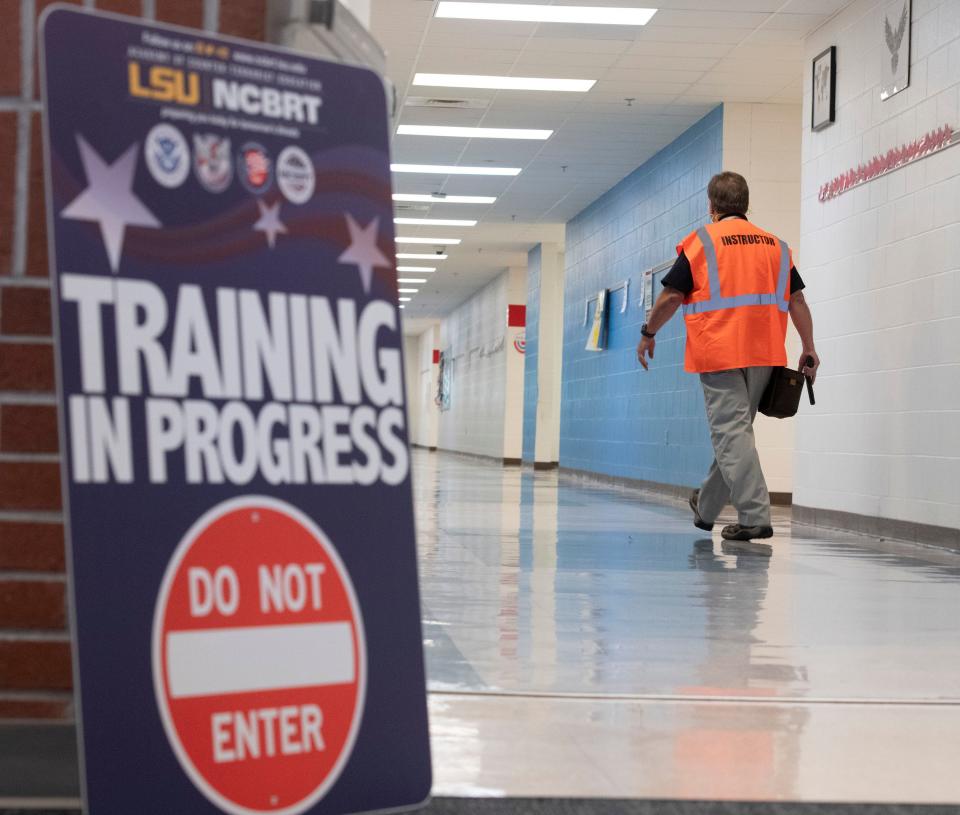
895, 38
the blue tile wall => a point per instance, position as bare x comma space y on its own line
615, 418
530, 389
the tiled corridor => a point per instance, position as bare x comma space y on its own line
586, 640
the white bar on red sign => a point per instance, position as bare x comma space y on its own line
259, 658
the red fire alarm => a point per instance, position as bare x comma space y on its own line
516, 316
436, 356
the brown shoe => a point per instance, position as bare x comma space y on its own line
698, 522
735, 532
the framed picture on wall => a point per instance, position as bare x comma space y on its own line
824, 111
895, 53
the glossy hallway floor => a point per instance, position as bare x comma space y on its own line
585, 640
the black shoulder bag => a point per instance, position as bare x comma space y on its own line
782, 396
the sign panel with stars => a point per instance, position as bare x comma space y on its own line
236, 470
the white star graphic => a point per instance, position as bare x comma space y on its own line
363, 252
269, 222
109, 199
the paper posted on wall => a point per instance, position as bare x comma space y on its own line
647, 293
597, 340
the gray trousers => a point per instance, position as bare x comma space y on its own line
735, 476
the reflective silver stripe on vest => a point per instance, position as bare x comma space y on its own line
717, 302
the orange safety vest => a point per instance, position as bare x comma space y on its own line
736, 314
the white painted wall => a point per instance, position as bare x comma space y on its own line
422, 386
429, 382
513, 387
486, 404
762, 142
549, 354
882, 263
474, 337
411, 358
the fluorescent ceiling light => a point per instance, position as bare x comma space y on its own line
473, 132
438, 241
405, 300
421, 269
444, 169
441, 198
408, 291
504, 83
433, 222
411, 280
419, 256
402, 306
534, 13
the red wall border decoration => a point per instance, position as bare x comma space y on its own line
893, 159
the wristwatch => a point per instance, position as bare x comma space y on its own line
647, 334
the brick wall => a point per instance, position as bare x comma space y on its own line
883, 275
470, 336
35, 668
615, 418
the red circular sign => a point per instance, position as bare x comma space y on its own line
259, 662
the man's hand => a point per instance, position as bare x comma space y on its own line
667, 303
803, 321
809, 370
646, 346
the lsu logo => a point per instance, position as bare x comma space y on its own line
164, 84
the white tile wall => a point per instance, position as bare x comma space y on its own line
882, 266
411, 359
429, 386
422, 386
486, 405
762, 142
475, 335
514, 361
550, 351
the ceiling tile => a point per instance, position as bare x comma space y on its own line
693, 55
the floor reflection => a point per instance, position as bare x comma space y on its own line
532, 582
584, 640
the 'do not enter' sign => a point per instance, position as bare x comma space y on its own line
258, 658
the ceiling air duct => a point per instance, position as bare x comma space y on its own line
327, 29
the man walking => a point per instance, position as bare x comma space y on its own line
736, 284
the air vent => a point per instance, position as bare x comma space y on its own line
412, 207
446, 103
